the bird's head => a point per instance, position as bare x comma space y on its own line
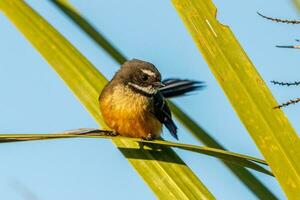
140, 76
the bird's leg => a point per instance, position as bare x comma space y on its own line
148, 137
112, 133
153, 147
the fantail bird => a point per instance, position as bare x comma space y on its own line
133, 103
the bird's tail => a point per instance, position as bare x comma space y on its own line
178, 87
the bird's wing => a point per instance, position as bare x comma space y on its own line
178, 87
162, 112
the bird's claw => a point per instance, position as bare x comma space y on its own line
112, 133
149, 137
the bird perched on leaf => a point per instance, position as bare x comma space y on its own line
133, 103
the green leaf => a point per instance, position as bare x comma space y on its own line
247, 92
235, 158
254, 184
296, 4
67, 8
178, 181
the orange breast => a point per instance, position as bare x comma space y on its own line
128, 113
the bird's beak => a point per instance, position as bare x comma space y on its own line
158, 84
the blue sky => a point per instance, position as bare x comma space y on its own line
35, 100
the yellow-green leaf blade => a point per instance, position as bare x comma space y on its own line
178, 181
235, 158
246, 91
296, 4
253, 183
90, 30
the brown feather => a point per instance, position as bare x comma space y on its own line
128, 112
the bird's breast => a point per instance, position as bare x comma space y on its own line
128, 112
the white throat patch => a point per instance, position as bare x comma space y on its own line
148, 90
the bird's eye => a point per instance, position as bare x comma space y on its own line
144, 77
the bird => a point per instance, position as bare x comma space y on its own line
133, 104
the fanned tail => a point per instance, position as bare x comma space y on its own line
179, 87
